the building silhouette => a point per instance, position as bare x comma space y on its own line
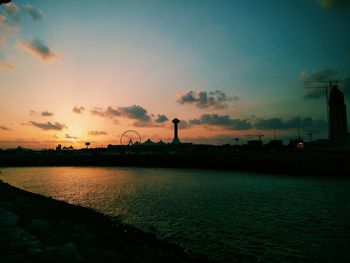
176, 137
149, 142
337, 116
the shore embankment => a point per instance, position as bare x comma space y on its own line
34, 228
307, 162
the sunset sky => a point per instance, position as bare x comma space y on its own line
84, 70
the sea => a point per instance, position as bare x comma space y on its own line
228, 216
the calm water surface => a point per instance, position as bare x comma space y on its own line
228, 216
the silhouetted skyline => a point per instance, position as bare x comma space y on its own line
87, 71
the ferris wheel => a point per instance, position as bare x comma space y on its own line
130, 137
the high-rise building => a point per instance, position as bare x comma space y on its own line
337, 116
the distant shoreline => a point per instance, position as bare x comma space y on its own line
41, 229
309, 163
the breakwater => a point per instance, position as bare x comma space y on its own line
41, 229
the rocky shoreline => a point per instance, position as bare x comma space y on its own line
40, 229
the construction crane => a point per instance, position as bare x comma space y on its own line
259, 135
328, 84
310, 133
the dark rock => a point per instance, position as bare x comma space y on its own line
34, 228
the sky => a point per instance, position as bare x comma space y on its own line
86, 71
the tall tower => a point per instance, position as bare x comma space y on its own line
337, 116
176, 138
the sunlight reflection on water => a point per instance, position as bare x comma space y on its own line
227, 216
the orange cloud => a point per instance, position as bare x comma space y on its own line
38, 49
4, 128
48, 125
96, 133
78, 110
8, 66
201, 99
6, 29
